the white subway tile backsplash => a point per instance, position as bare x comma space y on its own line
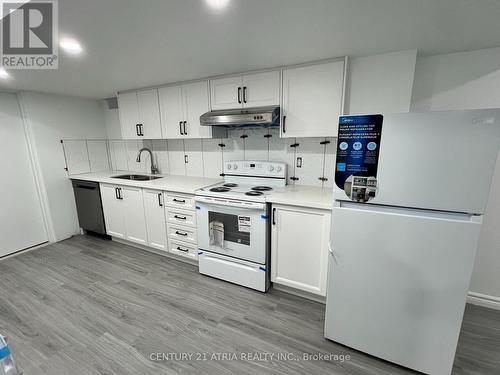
98, 155
309, 159
212, 158
118, 152
176, 162
160, 151
206, 157
329, 169
235, 146
256, 145
77, 159
194, 152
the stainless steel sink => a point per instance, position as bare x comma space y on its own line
137, 177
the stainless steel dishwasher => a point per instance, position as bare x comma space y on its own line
89, 206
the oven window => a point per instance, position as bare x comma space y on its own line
227, 227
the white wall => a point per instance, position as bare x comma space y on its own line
111, 121
50, 119
468, 80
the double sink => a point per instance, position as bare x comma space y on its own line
137, 177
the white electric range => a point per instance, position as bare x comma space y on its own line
233, 222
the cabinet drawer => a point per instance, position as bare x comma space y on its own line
182, 233
181, 217
182, 201
182, 248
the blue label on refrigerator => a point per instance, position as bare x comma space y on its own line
358, 148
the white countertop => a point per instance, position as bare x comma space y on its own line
179, 184
295, 195
305, 196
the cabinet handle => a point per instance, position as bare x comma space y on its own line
185, 131
180, 233
180, 217
137, 131
116, 193
244, 94
239, 95
284, 124
119, 193
186, 159
179, 200
180, 128
160, 203
274, 216
181, 249
141, 130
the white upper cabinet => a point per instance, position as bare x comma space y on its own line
312, 100
250, 90
181, 108
172, 111
261, 89
225, 93
196, 103
140, 115
128, 109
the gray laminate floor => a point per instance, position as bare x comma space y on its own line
88, 306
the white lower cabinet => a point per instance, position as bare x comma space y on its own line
113, 210
124, 212
299, 250
155, 218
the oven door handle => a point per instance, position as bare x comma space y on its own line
231, 203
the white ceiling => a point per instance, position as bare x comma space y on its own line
133, 43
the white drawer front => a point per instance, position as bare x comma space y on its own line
181, 233
181, 217
182, 201
182, 248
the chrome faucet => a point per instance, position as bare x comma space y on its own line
154, 169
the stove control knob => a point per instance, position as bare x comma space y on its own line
235, 166
229, 166
278, 168
271, 168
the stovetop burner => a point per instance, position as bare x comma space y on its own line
262, 188
230, 185
220, 189
254, 193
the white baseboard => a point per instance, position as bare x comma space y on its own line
484, 300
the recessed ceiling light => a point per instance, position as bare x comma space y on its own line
71, 46
217, 4
4, 74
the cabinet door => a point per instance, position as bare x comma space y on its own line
312, 100
155, 219
299, 251
261, 89
172, 111
133, 213
225, 93
113, 211
128, 110
149, 114
196, 103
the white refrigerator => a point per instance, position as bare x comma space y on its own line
400, 263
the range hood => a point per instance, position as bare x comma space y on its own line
235, 118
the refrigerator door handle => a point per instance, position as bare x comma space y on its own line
330, 250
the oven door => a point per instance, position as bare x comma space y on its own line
234, 228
